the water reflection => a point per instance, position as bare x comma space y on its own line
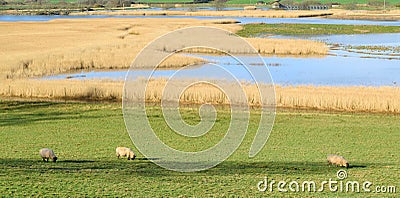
330, 70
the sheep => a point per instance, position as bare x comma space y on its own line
123, 151
337, 160
47, 154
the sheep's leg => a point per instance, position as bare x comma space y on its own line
44, 159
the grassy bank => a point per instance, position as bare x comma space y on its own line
313, 29
84, 137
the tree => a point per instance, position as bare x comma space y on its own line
219, 4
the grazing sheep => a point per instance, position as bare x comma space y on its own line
47, 154
123, 151
337, 160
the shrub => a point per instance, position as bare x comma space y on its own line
350, 6
219, 4
310, 3
375, 3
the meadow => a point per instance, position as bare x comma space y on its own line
84, 136
360, 123
313, 29
320, 1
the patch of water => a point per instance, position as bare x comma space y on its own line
243, 20
383, 39
328, 71
346, 68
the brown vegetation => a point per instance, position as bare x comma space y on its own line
30, 49
357, 99
288, 46
60, 46
390, 15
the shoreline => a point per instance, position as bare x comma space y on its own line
381, 15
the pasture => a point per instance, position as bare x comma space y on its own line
84, 137
313, 29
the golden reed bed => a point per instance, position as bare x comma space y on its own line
354, 99
35, 49
390, 15
29, 49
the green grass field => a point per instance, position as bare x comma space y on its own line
84, 137
313, 29
322, 1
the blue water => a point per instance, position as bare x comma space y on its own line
383, 39
346, 69
244, 20
330, 70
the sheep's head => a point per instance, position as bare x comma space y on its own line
54, 159
347, 165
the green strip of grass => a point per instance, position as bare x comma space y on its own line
250, 30
84, 137
321, 1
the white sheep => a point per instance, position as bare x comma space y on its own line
47, 154
337, 160
123, 151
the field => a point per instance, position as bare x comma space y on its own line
82, 120
313, 29
321, 1
84, 137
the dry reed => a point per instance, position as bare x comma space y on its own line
62, 89
354, 99
366, 14
60, 46
268, 46
288, 46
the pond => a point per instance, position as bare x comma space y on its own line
345, 66
243, 20
327, 71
